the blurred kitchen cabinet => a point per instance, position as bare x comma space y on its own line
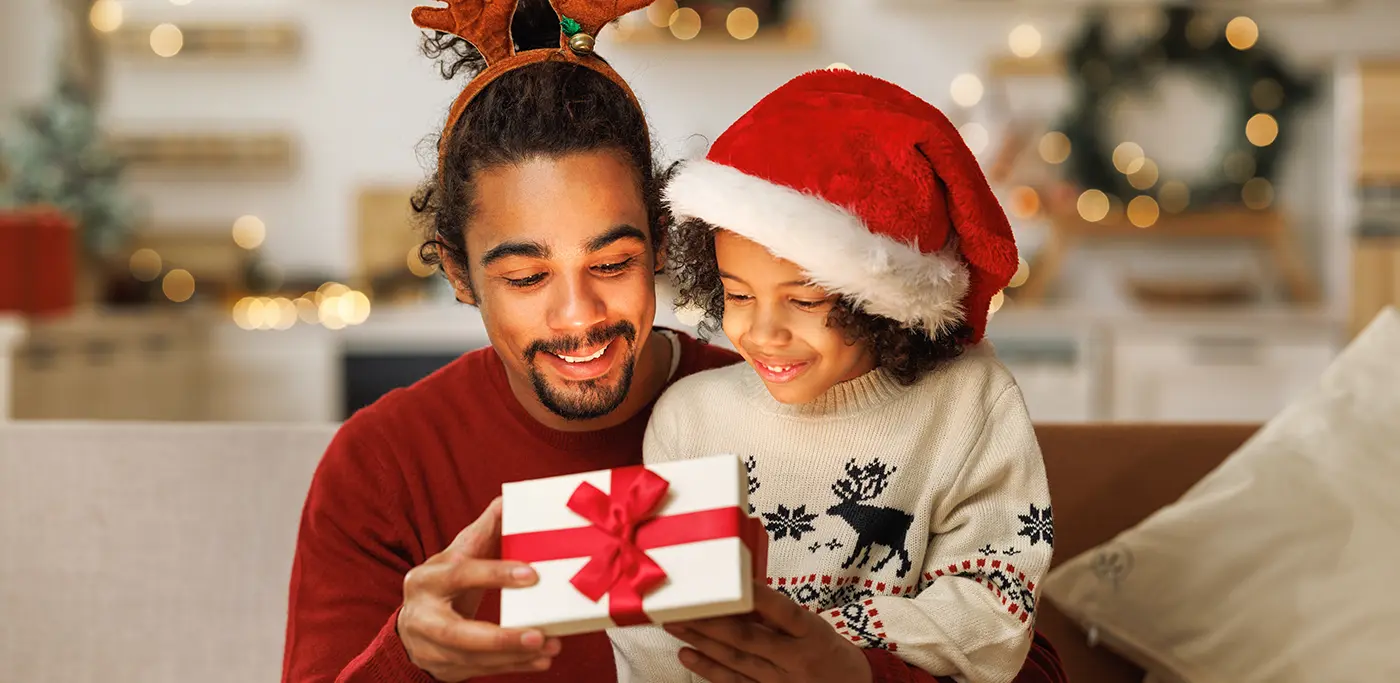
1379, 146
12, 334
1059, 374
113, 366
288, 375
1216, 376
1375, 278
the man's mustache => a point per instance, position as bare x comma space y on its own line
595, 336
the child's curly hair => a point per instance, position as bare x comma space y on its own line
906, 353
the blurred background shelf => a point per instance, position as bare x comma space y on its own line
315, 146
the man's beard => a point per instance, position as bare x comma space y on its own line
591, 398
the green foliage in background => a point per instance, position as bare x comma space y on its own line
57, 157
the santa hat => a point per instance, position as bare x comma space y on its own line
869, 190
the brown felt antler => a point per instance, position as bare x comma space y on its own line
593, 15
483, 23
486, 25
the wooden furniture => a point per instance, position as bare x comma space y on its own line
1379, 162
213, 40
219, 155
166, 365
12, 332
1267, 229
1375, 279
1375, 276
110, 367
388, 236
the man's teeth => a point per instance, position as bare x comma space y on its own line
583, 359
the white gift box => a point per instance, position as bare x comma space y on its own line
699, 534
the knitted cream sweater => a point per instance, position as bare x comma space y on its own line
915, 519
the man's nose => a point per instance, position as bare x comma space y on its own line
576, 305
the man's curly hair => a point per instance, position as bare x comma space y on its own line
906, 353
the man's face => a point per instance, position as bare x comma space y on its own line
562, 268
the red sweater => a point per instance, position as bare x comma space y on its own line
401, 478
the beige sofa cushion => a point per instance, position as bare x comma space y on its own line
1281, 566
148, 553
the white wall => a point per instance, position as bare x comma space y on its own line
361, 98
28, 40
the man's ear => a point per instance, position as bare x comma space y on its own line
461, 282
463, 291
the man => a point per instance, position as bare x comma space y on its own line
544, 212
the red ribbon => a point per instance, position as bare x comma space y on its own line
623, 529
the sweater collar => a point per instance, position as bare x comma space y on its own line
872, 389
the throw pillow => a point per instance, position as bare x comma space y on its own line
1282, 565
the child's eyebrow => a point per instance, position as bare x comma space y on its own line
790, 283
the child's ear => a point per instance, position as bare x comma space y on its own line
659, 243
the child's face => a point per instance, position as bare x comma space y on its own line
777, 321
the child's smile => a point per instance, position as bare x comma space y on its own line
777, 320
778, 371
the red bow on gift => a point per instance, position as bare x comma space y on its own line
623, 529
623, 570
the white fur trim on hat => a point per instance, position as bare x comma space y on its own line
835, 248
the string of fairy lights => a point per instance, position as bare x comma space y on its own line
686, 23
335, 305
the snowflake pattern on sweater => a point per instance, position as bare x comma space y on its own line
912, 519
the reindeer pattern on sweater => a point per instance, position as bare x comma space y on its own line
914, 519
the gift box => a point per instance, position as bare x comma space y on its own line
38, 272
636, 545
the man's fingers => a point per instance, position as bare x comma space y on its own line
481, 538
474, 574
709, 669
479, 640
482, 637
448, 578
780, 613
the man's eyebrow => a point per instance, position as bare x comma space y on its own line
514, 248
621, 232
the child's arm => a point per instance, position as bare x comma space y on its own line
647, 653
991, 544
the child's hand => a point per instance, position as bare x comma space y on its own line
784, 644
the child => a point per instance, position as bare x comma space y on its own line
847, 241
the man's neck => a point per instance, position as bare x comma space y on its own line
649, 377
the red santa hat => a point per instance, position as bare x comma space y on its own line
869, 190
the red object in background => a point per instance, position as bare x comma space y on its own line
38, 269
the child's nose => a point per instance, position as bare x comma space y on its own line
769, 328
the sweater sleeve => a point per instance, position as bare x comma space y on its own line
348, 571
991, 539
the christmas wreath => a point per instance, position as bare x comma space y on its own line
1254, 77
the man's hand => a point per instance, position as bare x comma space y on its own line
778, 643
440, 598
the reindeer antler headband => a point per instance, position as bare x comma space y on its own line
486, 25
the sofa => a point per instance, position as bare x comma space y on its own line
152, 553
1104, 479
